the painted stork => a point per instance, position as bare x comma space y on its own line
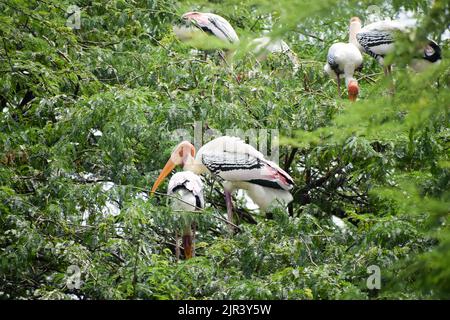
377, 40
265, 45
238, 165
345, 59
187, 191
195, 23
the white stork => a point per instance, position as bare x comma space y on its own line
345, 59
195, 23
377, 40
239, 165
187, 191
265, 45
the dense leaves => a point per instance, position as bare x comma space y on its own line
89, 115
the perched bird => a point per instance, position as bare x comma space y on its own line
378, 40
194, 24
345, 59
187, 191
265, 45
238, 165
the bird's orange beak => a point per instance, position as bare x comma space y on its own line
170, 165
353, 90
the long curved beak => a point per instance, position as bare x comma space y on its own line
170, 165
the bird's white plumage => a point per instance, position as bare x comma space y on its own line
264, 197
378, 37
228, 144
221, 28
206, 21
346, 57
378, 40
264, 46
239, 164
387, 26
188, 187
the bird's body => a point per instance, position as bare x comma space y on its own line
241, 166
265, 45
196, 24
186, 189
378, 40
344, 59
238, 165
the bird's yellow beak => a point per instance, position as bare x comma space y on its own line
170, 165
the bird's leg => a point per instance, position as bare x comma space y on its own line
177, 246
339, 85
187, 245
187, 238
388, 74
194, 229
229, 203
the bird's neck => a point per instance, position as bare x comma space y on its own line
349, 78
355, 27
194, 166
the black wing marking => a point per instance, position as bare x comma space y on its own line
227, 161
371, 39
222, 28
248, 168
199, 201
333, 64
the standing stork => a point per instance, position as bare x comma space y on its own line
239, 165
345, 59
187, 189
195, 23
378, 40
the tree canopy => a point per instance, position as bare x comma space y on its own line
91, 112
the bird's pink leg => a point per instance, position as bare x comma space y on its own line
194, 229
388, 73
339, 85
177, 246
229, 203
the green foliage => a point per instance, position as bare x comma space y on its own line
89, 116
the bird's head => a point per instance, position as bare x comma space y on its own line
182, 153
432, 52
353, 90
187, 20
194, 17
189, 15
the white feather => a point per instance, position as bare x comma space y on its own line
347, 57
192, 188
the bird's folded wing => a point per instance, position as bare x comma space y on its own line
221, 29
376, 42
187, 180
247, 168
